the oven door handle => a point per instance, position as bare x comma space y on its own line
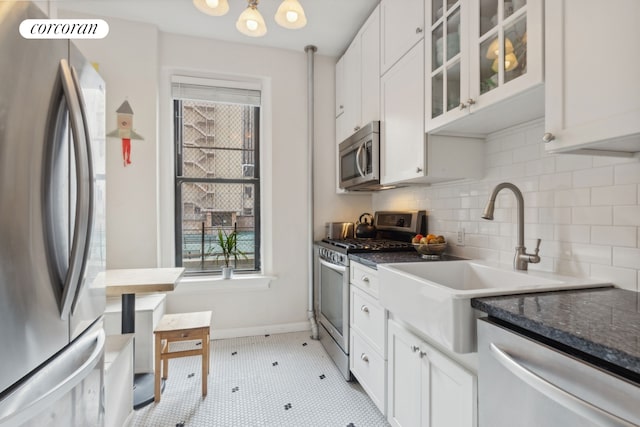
335, 267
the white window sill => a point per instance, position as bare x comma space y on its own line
238, 283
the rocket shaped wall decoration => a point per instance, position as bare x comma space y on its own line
125, 131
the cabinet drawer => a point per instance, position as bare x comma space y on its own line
364, 278
370, 369
368, 317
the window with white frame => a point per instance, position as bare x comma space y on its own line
217, 173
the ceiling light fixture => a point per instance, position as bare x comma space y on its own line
212, 7
250, 22
290, 15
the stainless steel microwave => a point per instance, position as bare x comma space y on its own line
359, 159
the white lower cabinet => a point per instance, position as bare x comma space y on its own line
368, 333
425, 387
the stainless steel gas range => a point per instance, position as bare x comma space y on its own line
394, 231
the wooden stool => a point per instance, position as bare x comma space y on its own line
181, 327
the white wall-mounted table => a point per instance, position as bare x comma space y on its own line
127, 283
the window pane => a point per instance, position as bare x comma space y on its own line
218, 186
218, 140
207, 208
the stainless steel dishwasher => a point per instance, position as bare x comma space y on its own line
525, 383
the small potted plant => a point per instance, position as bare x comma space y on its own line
228, 243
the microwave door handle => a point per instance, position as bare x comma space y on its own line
552, 391
358, 156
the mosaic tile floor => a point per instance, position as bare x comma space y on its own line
273, 380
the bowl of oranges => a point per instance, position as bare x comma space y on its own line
429, 244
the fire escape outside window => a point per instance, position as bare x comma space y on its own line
217, 179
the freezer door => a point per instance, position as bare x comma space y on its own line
66, 392
89, 299
31, 328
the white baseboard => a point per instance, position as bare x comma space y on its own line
283, 328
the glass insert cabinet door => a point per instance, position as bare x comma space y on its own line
447, 62
502, 39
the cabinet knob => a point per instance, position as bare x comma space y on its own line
423, 354
364, 309
342, 107
471, 101
364, 357
365, 279
463, 106
418, 30
548, 137
415, 348
418, 169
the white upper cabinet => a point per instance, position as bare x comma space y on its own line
593, 77
340, 87
359, 92
402, 138
402, 26
407, 154
484, 64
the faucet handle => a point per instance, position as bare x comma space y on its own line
537, 249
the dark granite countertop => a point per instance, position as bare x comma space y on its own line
602, 323
372, 259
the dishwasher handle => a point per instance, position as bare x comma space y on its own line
559, 395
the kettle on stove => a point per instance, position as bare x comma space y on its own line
365, 227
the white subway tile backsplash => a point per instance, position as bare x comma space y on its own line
586, 209
614, 236
556, 181
626, 257
596, 215
574, 197
626, 215
628, 173
540, 199
540, 167
625, 278
614, 195
526, 153
572, 233
501, 158
594, 177
554, 215
514, 142
572, 268
570, 162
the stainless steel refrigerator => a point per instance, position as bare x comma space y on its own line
52, 229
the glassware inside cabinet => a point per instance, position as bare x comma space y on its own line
503, 42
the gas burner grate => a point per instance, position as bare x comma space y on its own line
370, 245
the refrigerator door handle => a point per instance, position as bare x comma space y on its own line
552, 391
54, 380
83, 197
89, 207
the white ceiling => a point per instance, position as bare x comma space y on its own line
331, 24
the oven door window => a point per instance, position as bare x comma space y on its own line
331, 294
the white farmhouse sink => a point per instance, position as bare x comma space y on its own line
434, 297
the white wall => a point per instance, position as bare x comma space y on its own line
585, 209
128, 62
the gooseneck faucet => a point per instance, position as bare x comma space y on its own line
522, 258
